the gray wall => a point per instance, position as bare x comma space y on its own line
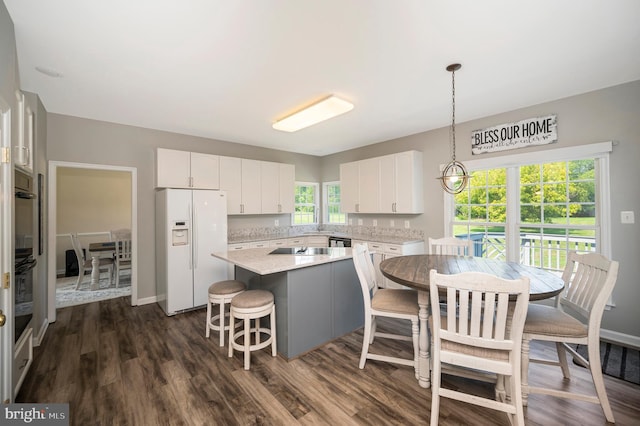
81, 140
599, 116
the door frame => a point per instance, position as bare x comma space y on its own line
51, 241
6, 256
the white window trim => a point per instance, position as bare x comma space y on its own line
598, 151
325, 204
317, 204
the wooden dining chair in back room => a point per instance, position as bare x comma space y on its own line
85, 264
484, 333
589, 280
384, 302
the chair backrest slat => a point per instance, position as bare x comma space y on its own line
366, 273
451, 246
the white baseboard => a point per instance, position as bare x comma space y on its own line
37, 340
621, 338
147, 300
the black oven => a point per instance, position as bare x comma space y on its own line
24, 259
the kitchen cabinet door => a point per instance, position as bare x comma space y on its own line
369, 183
251, 188
270, 187
349, 187
388, 184
401, 183
231, 182
205, 173
173, 168
287, 193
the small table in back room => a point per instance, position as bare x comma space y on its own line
413, 271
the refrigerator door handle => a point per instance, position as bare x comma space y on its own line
190, 238
195, 237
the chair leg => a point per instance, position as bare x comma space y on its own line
524, 376
365, 340
221, 322
516, 396
562, 358
80, 276
435, 391
598, 381
207, 332
374, 327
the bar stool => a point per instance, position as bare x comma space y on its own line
252, 305
221, 293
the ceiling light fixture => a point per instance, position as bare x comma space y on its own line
454, 176
324, 109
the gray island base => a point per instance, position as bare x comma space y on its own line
315, 303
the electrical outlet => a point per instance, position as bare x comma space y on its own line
407, 225
375, 222
627, 217
276, 222
359, 222
392, 223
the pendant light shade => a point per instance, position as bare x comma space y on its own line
454, 177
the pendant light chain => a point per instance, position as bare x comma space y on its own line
453, 114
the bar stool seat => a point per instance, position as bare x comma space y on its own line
221, 293
252, 305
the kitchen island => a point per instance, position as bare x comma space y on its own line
317, 293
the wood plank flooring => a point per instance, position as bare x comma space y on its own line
122, 365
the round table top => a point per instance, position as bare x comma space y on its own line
413, 271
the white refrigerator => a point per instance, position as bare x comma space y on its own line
190, 225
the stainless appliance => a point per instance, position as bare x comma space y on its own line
190, 225
24, 259
339, 242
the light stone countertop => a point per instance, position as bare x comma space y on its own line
259, 260
385, 239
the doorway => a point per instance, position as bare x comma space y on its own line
64, 173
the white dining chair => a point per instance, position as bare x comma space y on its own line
384, 302
481, 330
451, 246
589, 280
122, 257
85, 264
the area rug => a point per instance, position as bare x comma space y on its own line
617, 361
67, 295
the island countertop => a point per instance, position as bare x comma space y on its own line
259, 260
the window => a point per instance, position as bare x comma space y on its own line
331, 204
306, 203
534, 209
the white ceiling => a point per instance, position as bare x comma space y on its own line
227, 69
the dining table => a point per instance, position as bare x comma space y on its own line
413, 271
98, 250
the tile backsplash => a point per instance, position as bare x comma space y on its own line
270, 232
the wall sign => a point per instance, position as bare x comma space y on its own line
532, 131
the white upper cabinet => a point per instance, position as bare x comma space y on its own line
349, 187
183, 169
401, 183
278, 187
240, 178
388, 184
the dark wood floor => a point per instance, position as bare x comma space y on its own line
118, 365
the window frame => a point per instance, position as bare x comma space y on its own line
325, 203
597, 151
315, 204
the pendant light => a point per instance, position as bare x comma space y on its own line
454, 176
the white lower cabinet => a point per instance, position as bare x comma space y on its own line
317, 241
22, 359
381, 251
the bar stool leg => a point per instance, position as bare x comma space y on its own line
247, 342
208, 329
222, 324
231, 331
274, 351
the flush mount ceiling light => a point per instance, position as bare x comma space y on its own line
324, 109
454, 176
